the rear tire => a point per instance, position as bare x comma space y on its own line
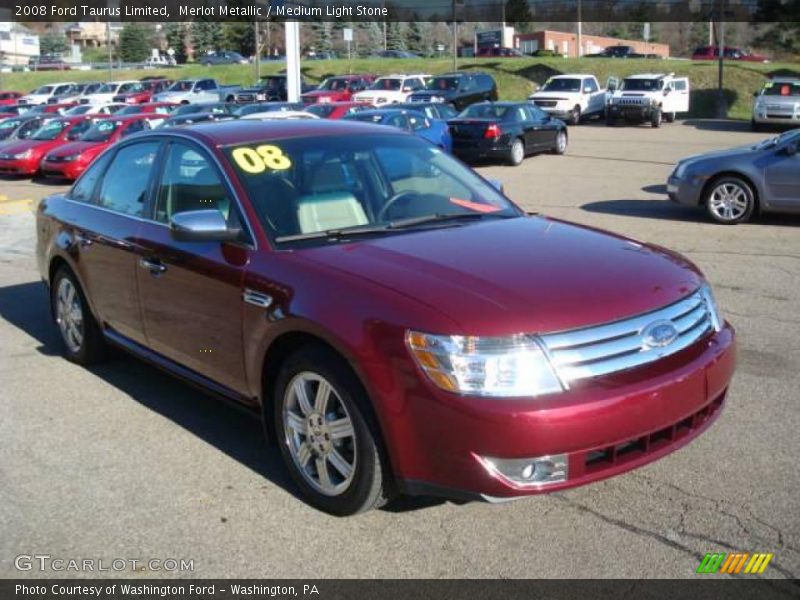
669, 117
332, 448
83, 339
574, 116
516, 154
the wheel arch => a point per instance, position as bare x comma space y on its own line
739, 175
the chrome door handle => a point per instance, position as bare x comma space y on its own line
82, 240
154, 266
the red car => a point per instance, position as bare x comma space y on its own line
336, 110
396, 321
338, 89
144, 91
68, 161
161, 108
9, 98
24, 157
712, 53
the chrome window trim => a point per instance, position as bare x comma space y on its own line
618, 346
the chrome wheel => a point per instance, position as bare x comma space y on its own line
517, 152
729, 201
561, 142
319, 434
69, 315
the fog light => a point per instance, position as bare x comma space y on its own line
534, 472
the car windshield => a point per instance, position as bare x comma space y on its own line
780, 88
108, 88
127, 88
188, 109
387, 84
49, 131
79, 110
101, 131
273, 83
323, 111
333, 84
562, 85
181, 86
642, 85
9, 123
249, 109
45, 89
500, 112
443, 83
786, 136
78, 130
316, 189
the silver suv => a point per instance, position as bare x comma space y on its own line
777, 103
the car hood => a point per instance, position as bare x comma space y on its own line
552, 95
325, 94
23, 145
729, 153
530, 274
76, 148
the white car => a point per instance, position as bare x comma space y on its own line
44, 93
649, 97
108, 108
572, 97
281, 114
106, 93
391, 89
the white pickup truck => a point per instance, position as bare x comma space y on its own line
44, 93
649, 98
573, 97
197, 91
391, 89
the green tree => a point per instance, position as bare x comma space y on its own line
206, 37
175, 33
321, 36
53, 44
420, 38
517, 12
135, 42
781, 29
373, 37
396, 36
240, 37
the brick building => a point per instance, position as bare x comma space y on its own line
564, 43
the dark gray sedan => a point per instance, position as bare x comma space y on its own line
733, 185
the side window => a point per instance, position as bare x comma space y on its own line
589, 84
83, 188
679, 85
191, 182
397, 121
417, 122
134, 127
124, 188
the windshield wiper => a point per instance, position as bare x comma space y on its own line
398, 224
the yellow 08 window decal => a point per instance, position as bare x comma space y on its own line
257, 160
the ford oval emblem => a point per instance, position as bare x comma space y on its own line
659, 334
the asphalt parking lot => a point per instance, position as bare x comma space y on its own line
124, 462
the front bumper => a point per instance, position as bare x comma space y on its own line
19, 166
604, 427
685, 191
62, 170
777, 118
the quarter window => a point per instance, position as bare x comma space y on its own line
124, 187
84, 188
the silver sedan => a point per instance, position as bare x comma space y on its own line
734, 185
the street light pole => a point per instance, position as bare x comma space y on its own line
108, 43
455, 38
258, 50
722, 108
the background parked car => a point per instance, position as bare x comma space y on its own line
7, 98
507, 131
270, 88
458, 89
223, 57
443, 112
336, 110
338, 89
712, 53
432, 130
391, 89
263, 107
20, 128
499, 52
162, 108
777, 103
193, 118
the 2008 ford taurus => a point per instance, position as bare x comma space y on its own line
397, 322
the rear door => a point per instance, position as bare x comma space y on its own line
191, 292
542, 128
114, 191
680, 95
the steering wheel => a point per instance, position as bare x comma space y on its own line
391, 202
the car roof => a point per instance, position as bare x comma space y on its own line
400, 75
235, 131
784, 80
571, 75
648, 76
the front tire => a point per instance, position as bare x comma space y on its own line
575, 116
655, 119
670, 117
328, 437
516, 154
84, 343
560, 146
730, 200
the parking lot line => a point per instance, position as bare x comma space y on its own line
14, 207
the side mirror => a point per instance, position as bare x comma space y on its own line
206, 225
587, 90
497, 184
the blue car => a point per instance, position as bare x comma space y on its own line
433, 130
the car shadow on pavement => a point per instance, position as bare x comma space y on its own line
232, 431
729, 125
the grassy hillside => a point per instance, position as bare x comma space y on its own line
516, 78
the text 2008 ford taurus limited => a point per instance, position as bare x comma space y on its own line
401, 326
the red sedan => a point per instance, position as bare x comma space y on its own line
9, 98
143, 92
68, 161
25, 156
397, 322
712, 53
338, 89
336, 110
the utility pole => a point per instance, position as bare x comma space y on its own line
722, 105
580, 28
108, 43
258, 50
455, 38
292, 60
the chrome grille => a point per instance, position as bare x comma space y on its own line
613, 347
546, 103
631, 101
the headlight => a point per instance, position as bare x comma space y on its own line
717, 321
26, 154
437, 98
510, 366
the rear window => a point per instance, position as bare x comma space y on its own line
387, 84
101, 131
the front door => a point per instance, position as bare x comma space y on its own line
782, 178
191, 292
